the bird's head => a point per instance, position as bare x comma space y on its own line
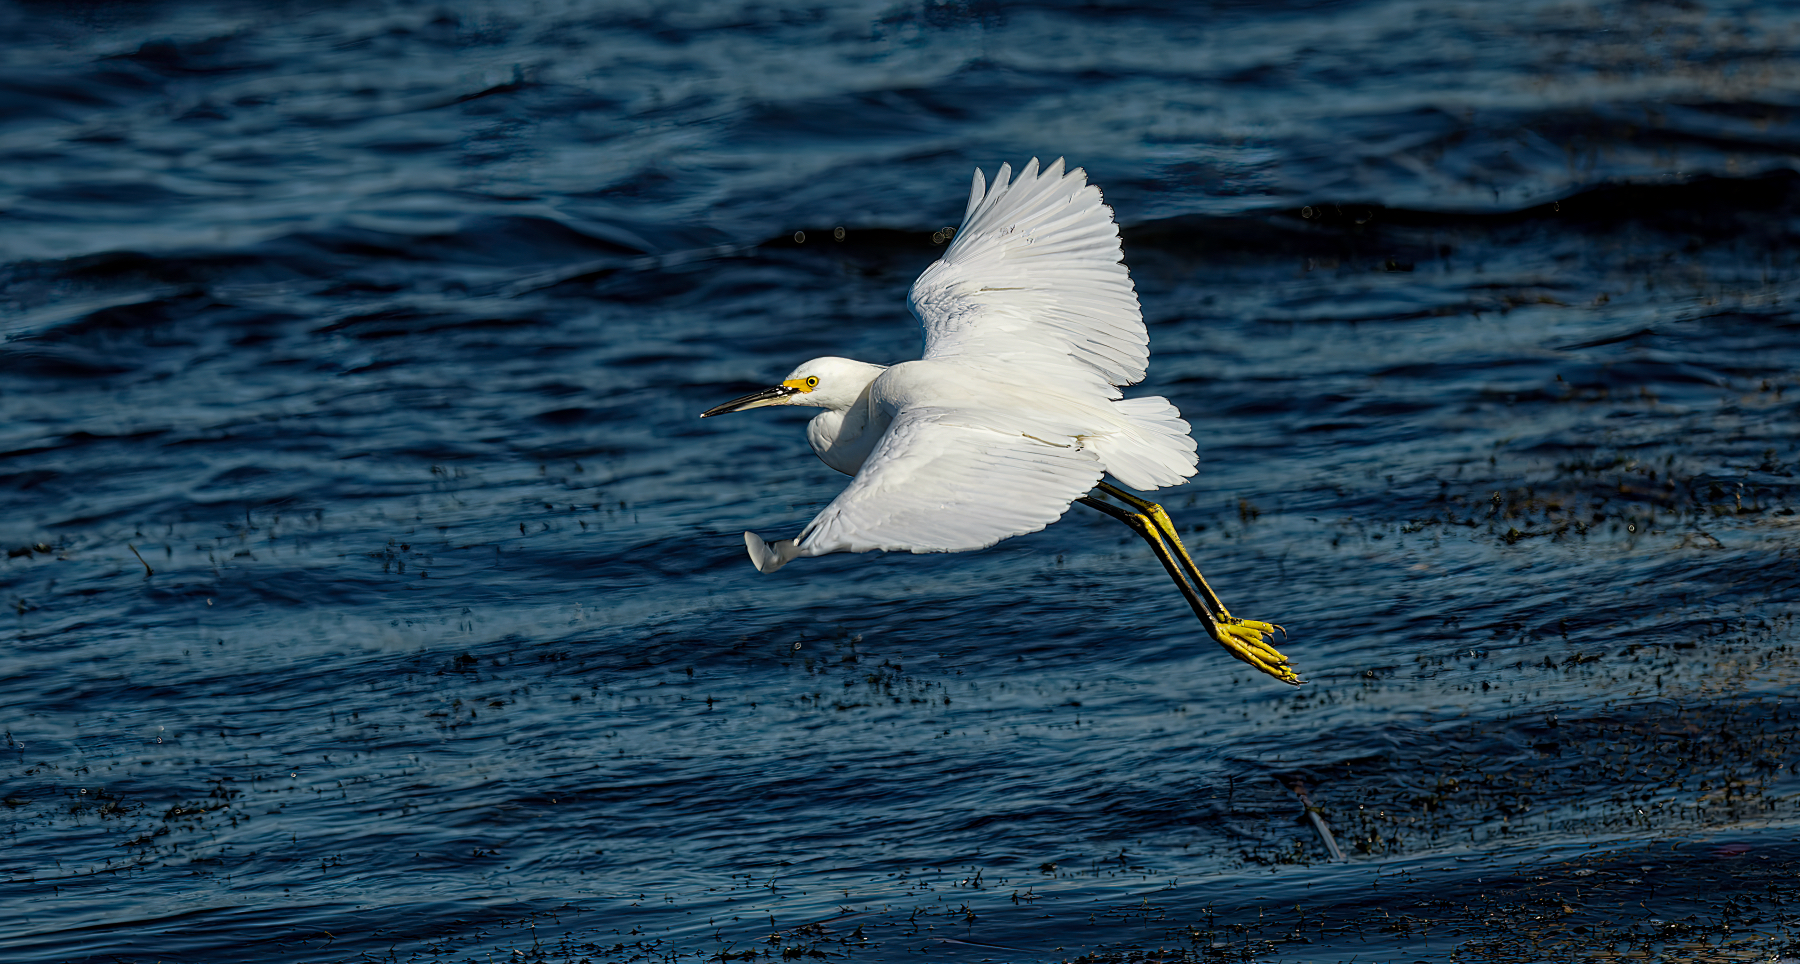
827, 382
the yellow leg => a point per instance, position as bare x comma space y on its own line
1167, 525
1248, 631
1242, 638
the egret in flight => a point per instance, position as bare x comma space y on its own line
1014, 412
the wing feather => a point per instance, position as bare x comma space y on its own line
1035, 274
937, 484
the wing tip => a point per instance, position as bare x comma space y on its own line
977, 191
766, 557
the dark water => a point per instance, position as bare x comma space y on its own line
379, 330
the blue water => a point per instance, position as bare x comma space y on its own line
379, 332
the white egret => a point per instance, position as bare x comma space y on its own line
1014, 412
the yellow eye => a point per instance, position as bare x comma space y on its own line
812, 381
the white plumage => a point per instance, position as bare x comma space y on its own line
1031, 324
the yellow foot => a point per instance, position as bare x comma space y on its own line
1243, 638
1248, 640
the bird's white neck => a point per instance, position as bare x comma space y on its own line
846, 432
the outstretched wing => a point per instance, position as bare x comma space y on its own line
1034, 276
937, 482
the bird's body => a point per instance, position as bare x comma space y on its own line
985, 424
1000, 398
1014, 412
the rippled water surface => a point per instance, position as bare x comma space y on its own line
378, 331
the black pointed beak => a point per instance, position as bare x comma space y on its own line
767, 396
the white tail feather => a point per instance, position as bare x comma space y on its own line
1156, 450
